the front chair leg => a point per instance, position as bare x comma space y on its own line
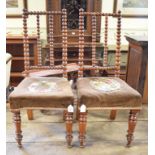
69, 124
131, 126
17, 121
82, 127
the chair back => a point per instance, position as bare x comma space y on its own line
94, 64
28, 66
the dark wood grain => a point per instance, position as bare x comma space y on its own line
137, 62
17, 121
69, 124
82, 127
131, 126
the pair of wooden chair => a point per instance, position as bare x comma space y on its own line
92, 92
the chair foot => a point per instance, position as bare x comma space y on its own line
17, 121
69, 124
30, 114
113, 114
82, 128
131, 126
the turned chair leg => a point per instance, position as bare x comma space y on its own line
113, 114
69, 124
30, 114
82, 127
17, 121
131, 126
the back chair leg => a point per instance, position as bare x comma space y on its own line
17, 121
82, 127
69, 124
113, 114
64, 114
30, 114
131, 126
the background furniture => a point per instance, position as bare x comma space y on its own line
72, 7
14, 46
137, 74
8, 70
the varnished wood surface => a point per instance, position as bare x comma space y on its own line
82, 43
69, 126
40, 66
14, 45
131, 126
82, 128
91, 5
18, 131
137, 63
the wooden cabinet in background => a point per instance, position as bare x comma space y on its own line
14, 46
72, 7
137, 75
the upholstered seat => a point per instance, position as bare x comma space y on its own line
54, 92
107, 92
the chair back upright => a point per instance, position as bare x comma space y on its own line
94, 65
39, 65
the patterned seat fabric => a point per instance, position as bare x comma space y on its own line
43, 92
107, 92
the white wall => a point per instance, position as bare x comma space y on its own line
14, 26
130, 26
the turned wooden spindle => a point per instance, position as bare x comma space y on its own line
51, 45
131, 126
117, 56
118, 43
94, 41
81, 42
26, 42
69, 123
17, 121
44, 12
26, 51
105, 55
64, 42
38, 40
82, 127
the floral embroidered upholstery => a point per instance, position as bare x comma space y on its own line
107, 92
43, 86
42, 92
105, 84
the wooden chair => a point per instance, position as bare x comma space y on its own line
110, 93
37, 92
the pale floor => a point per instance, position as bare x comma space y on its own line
45, 135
